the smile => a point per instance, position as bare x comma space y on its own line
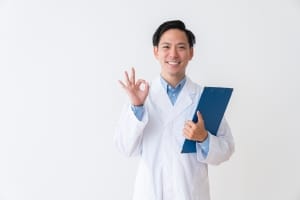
173, 62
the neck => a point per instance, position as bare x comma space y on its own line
173, 80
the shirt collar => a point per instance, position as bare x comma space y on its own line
166, 85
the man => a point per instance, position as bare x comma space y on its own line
157, 120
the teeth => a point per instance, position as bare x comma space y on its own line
173, 63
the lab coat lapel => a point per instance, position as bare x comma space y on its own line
166, 110
160, 100
185, 99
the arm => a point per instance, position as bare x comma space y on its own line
131, 124
129, 132
221, 147
210, 149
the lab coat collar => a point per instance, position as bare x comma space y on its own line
168, 111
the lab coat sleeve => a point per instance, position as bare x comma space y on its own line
129, 132
221, 147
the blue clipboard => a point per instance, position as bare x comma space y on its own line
212, 106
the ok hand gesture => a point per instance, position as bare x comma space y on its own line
136, 93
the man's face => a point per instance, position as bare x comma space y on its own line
173, 52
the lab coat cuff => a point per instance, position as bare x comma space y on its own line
135, 123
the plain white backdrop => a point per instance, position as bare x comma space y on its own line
59, 96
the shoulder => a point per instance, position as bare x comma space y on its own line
193, 86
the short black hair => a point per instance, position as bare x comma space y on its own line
174, 24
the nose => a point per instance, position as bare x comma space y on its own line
173, 52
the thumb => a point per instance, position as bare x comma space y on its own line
199, 116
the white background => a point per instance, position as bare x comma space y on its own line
59, 97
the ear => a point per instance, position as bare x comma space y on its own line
155, 51
191, 52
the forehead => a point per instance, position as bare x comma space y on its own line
174, 36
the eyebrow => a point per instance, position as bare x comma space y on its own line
180, 43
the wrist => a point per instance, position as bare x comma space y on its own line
205, 137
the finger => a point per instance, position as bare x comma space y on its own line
122, 84
188, 129
145, 84
127, 78
139, 82
132, 78
187, 134
147, 87
189, 124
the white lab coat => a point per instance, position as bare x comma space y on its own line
164, 173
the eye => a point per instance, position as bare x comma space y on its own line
165, 47
181, 47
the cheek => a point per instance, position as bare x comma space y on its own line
161, 57
187, 56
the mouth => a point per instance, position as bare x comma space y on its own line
173, 62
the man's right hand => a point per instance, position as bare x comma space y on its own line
137, 91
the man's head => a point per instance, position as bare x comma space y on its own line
173, 48
174, 24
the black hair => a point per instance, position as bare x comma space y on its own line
174, 24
